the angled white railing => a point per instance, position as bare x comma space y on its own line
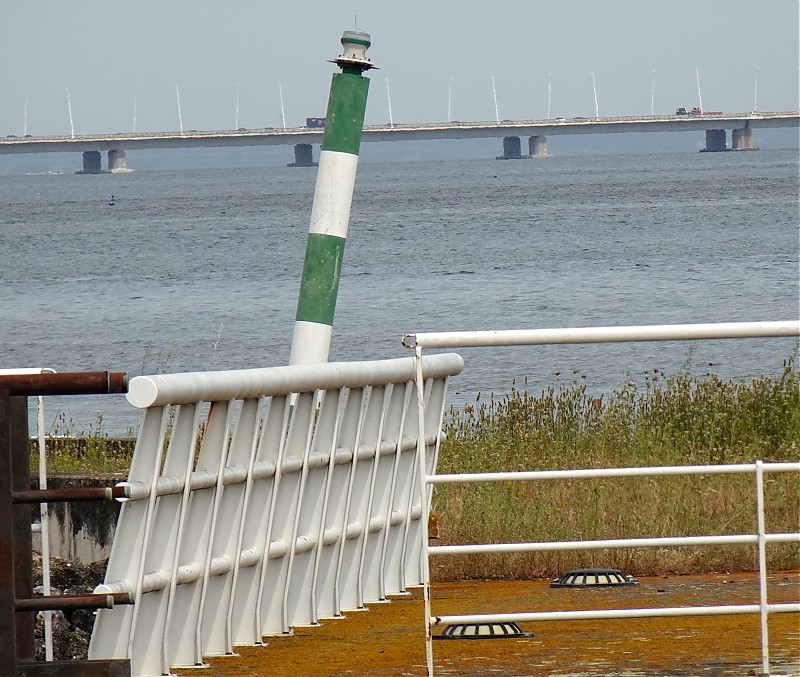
468, 339
263, 499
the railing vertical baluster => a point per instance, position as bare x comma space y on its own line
762, 566
371, 546
179, 461
44, 521
324, 578
314, 492
357, 490
374, 554
241, 621
352, 424
324, 593
228, 513
407, 471
390, 569
279, 436
423, 490
242, 456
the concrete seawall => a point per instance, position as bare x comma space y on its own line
80, 531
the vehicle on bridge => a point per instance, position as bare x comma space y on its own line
697, 111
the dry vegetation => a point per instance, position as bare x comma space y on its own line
668, 421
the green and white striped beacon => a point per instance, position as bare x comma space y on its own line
333, 196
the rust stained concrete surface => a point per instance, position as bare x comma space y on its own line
388, 641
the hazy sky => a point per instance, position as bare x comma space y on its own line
110, 54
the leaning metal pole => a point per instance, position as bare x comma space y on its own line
333, 196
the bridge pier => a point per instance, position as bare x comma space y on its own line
742, 139
303, 156
716, 141
117, 161
92, 162
512, 149
537, 146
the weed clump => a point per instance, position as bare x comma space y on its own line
92, 451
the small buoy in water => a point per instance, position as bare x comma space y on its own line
111, 202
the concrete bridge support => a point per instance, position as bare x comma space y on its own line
303, 156
117, 161
716, 141
742, 139
512, 148
92, 163
537, 146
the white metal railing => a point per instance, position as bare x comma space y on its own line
428, 478
263, 499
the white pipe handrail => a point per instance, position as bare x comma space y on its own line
614, 613
662, 542
163, 389
588, 473
659, 332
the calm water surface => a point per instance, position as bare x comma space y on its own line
200, 269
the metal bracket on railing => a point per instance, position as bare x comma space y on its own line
17, 604
409, 341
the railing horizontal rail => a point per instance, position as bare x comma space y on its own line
659, 332
614, 613
648, 471
162, 389
665, 542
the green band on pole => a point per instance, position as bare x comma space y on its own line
345, 117
320, 282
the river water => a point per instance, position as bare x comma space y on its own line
199, 269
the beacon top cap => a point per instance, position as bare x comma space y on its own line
354, 50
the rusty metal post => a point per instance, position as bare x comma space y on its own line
8, 648
16, 629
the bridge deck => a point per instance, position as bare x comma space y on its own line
399, 132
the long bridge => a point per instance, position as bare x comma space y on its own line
715, 126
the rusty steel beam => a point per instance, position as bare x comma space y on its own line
66, 383
73, 602
67, 495
100, 668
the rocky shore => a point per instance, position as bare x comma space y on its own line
71, 631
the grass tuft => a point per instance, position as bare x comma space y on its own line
92, 451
